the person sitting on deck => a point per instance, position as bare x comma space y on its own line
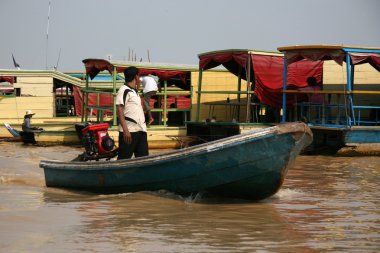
314, 98
26, 126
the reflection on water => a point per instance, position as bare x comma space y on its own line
327, 204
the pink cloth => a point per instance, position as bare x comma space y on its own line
314, 98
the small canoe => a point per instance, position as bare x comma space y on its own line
252, 166
26, 137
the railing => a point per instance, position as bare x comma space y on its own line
374, 112
231, 107
163, 98
232, 110
344, 112
87, 109
320, 113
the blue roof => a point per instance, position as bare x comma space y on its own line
100, 77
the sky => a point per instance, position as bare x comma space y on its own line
173, 31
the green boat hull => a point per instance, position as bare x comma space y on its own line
247, 166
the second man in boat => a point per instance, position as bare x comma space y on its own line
133, 138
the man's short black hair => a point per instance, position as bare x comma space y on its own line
130, 73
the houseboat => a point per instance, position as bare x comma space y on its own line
48, 94
61, 100
347, 118
253, 101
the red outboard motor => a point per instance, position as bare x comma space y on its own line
98, 143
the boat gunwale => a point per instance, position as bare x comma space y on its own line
177, 154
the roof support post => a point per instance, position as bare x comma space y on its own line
239, 83
114, 113
165, 111
199, 93
82, 110
191, 99
67, 101
284, 89
248, 71
349, 89
239, 89
85, 105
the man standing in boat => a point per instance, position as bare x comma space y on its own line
150, 88
133, 138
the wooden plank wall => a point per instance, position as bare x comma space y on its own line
333, 73
365, 78
214, 81
36, 95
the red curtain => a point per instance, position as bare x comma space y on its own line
77, 100
337, 55
9, 79
232, 61
371, 58
163, 74
225, 58
104, 100
269, 71
315, 55
94, 66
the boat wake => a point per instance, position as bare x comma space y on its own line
193, 198
288, 194
22, 180
198, 198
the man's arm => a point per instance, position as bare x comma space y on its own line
120, 114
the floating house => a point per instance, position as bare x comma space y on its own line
41, 92
175, 96
60, 100
211, 100
347, 117
254, 101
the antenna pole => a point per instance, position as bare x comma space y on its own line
59, 57
47, 36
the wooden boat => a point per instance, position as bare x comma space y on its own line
26, 137
248, 166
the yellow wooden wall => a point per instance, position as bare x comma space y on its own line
215, 81
365, 78
333, 73
334, 78
36, 95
